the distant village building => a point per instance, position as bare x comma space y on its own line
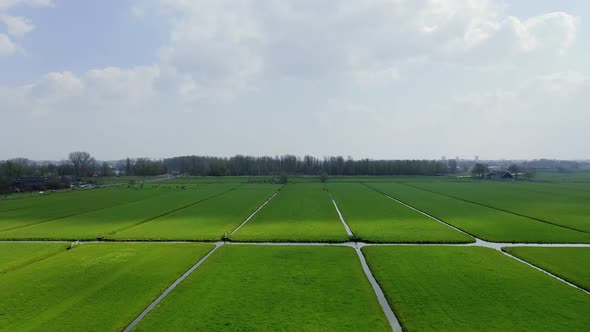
499, 175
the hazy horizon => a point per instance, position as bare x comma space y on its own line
378, 79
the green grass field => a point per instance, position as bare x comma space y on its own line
63, 204
94, 287
557, 204
281, 288
375, 218
569, 263
17, 255
484, 222
473, 289
582, 175
208, 220
209, 179
103, 222
300, 212
124, 179
104, 286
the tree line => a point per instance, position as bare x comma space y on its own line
308, 165
24, 174
80, 165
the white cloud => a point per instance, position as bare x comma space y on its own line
7, 47
17, 26
5, 4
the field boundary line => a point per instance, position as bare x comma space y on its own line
169, 289
389, 314
495, 208
545, 271
170, 212
348, 231
253, 213
424, 213
79, 213
33, 261
14, 209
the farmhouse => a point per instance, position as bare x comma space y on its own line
500, 175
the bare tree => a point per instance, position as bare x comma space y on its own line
82, 162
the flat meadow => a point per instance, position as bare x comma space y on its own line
209, 220
473, 288
373, 217
145, 230
103, 222
484, 222
299, 212
563, 204
285, 288
569, 263
97, 287
53, 206
14, 255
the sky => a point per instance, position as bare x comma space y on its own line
380, 79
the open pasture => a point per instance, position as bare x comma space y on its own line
561, 204
473, 289
96, 287
207, 179
16, 255
103, 222
373, 217
299, 212
38, 209
582, 175
251, 287
569, 263
208, 220
274, 286
484, 222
